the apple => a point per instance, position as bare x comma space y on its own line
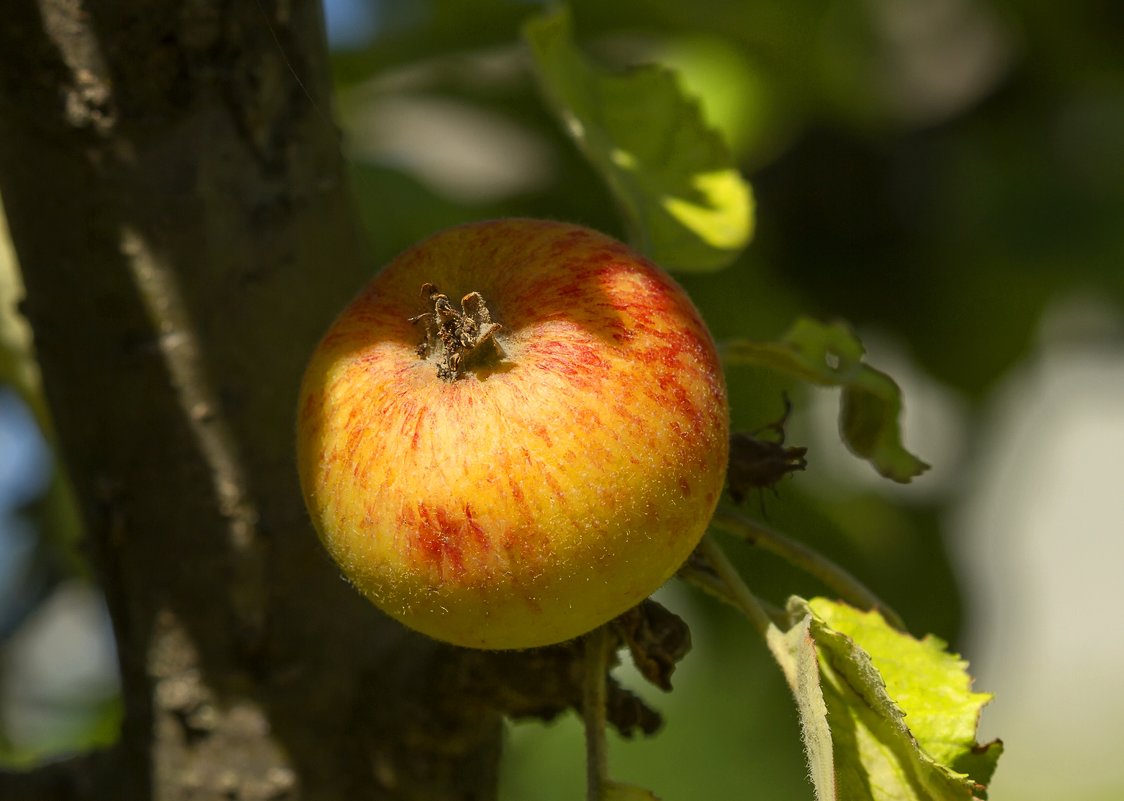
516, 432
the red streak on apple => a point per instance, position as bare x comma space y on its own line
558, 480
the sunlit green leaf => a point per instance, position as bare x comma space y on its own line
685, 204
927, 682
871, 403
885, 717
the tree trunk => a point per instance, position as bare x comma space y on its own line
178, 206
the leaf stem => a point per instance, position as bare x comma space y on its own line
595, 697
810, 561
739, 594
709, 583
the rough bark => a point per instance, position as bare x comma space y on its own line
177, 204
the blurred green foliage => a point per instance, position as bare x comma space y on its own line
935, 173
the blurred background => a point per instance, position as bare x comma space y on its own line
946, 175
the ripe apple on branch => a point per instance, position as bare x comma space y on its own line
521, 471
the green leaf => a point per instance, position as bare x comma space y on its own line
854, 706
685, 204
930, 685
871, 403
795, 652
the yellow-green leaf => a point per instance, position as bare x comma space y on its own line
899, 719
684, 202
928, 683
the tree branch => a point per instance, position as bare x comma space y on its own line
75, 779
178, 206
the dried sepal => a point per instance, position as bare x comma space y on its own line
455, 337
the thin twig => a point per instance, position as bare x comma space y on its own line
709, 583
810, 561
740, 594
595, 697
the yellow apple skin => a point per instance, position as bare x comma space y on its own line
544, 491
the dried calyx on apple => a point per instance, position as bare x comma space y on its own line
453, 337
519, 497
